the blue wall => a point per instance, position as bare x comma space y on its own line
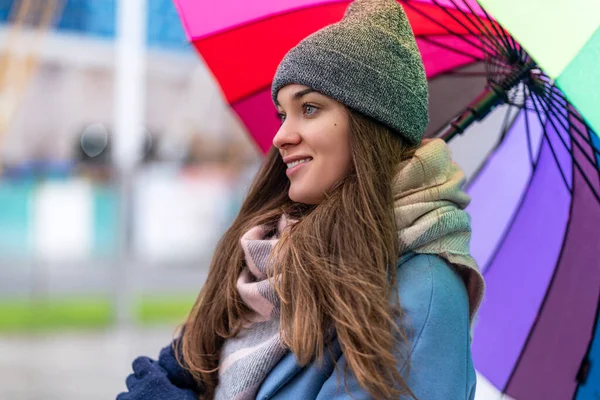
17, 220
98, 18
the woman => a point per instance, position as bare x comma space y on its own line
347, 272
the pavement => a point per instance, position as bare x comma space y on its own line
74, 365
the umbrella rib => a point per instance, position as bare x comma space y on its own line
515, 47
478, 47
445, 10
568, 130
498, 37
492, 39
529, 141
596, 147
544, 105
495, 71
575, 162
546, 78
577, 117
551, 90
505, 124
465, 74
557, 95
499, 63
495, 25
545, 133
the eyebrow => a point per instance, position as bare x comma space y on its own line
298, 95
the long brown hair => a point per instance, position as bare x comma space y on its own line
336, 268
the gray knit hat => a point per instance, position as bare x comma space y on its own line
368, 61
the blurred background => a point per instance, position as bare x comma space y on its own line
105, 238
121, 165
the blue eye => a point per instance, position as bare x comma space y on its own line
308, 107
281, 117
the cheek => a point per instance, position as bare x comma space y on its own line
339, 164
341, 149
336, 156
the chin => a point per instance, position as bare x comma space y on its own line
305, 197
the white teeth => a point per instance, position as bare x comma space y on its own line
293, 164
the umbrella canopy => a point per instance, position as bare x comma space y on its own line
564, 39
243, 42
532, 161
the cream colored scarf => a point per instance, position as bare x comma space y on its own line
429, 205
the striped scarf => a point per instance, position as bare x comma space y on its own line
429, 206
247, 358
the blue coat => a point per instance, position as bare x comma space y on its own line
435, 303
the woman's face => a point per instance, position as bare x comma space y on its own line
313, 140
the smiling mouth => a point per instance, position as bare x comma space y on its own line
295, 166
298, 162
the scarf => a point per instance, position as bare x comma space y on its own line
247, 358
429, 207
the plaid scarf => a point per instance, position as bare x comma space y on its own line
429, 206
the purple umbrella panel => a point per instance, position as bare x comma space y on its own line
536, 237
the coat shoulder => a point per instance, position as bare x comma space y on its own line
431, 292
435, 303
421, 274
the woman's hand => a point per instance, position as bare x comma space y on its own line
164, 379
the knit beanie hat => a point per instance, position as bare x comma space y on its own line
368, 61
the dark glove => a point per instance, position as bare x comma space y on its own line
164, 379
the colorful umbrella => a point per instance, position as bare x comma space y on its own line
532, 160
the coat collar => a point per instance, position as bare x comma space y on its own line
285, 370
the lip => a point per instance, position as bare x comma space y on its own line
291, 171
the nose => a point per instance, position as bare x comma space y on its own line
286, 136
